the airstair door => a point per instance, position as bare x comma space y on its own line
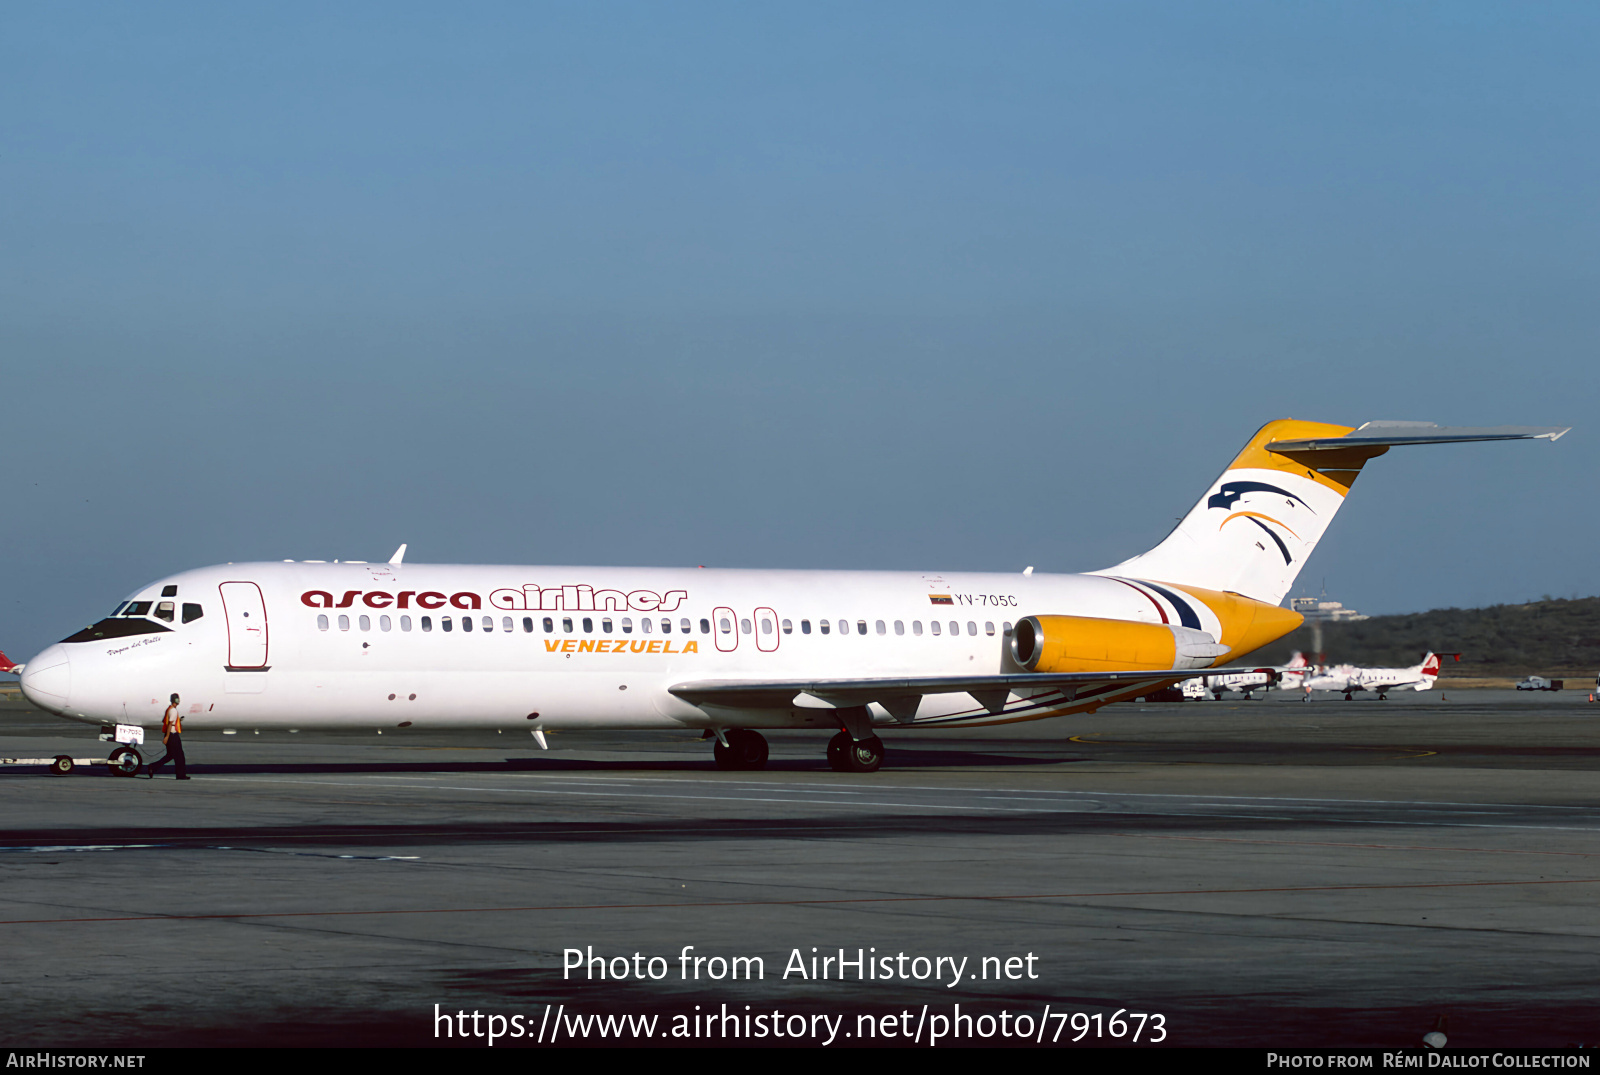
246, 610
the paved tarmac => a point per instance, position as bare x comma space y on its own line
1265, 873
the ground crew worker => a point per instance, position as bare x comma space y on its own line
172, 739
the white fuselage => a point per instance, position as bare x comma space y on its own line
380, 645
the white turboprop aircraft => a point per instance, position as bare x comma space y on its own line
380, 646
1348, 678
1248, 683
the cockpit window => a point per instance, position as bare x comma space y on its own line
137, 608
192, 612
119, 608
165, 611
118, 628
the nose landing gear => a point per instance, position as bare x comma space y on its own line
125, 761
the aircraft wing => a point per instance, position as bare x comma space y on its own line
1390, 434
900, 695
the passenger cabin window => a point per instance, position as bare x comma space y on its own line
365, 622
627, 625
666, 627
972, 628
566, 624
192, 612
988, 627
705, 627
844, 627
955, 628
385, 623
527, 625
744, 626
427, 623
165, 611
322, 623
344, 623
466, 623
725, 625
605, 626
880, 627
549, 625
788, 627
823, 624
488, 624
506, 625
934, 626
405, 623
685, 626
444, 623
644, 624
916, 628
861, 627
899, 627
588, 625
805, 627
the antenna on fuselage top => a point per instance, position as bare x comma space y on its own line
399, 554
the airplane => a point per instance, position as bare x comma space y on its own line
1247, 683
728, 653
1348, 678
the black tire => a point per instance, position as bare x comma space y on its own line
61, 765
863, 756
836, 748
746, 751
125, 761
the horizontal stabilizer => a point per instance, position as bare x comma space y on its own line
1393, 434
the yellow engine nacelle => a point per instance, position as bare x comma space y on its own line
1091, 644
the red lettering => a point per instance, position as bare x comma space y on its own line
405, 598
644, 600
310, 598
348, 599
377, 599
471, 599
430, 599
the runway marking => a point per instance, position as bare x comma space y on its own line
838, 901
1366, 847
890, 788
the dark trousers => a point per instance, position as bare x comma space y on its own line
174, 755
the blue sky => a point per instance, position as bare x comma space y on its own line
884, 286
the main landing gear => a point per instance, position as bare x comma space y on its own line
847, 755
745, 751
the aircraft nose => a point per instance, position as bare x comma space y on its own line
47, 679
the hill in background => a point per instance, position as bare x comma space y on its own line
1553, 637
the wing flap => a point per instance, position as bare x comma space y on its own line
898, 695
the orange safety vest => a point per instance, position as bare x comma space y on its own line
172, 721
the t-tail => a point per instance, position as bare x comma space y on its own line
1256, 526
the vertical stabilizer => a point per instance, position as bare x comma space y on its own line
1262, 518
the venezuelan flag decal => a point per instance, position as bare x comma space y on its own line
941, 599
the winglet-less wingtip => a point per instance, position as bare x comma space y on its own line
399, 554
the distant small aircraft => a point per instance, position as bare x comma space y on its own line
1248, 683
1347, 678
